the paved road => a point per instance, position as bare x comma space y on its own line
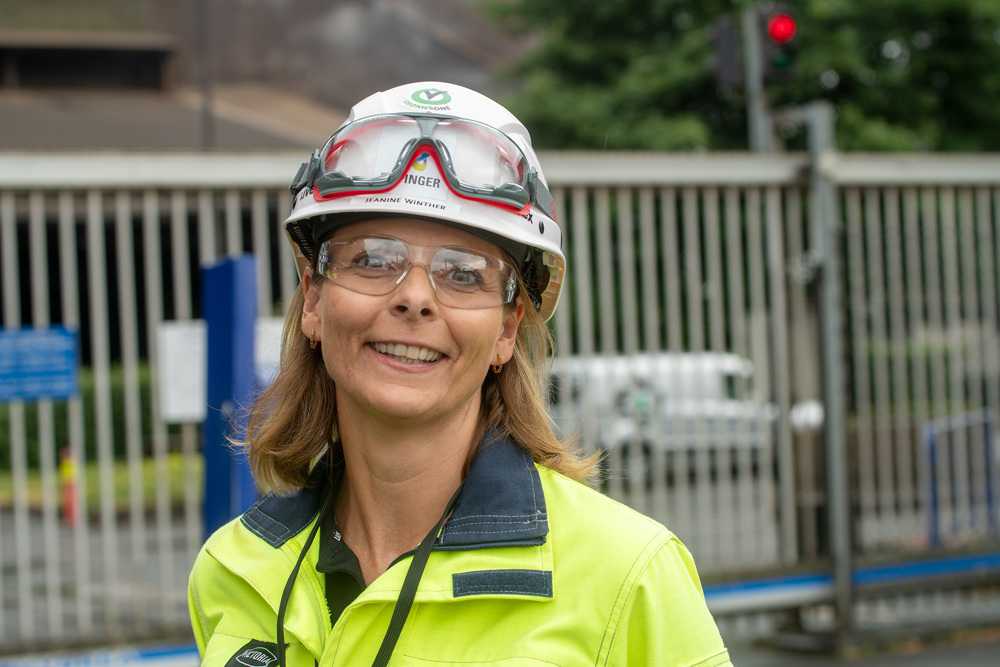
980, 650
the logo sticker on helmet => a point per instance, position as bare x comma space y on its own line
429, 99
431, 96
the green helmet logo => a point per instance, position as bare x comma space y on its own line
431, 97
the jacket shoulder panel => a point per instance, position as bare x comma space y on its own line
275, 519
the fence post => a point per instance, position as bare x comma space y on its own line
820, 117
229, 307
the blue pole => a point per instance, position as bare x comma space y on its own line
229, 307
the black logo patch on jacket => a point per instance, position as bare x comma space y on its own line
255, 653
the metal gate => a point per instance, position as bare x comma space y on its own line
689, 351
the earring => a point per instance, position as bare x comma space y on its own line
312, 340
498, 366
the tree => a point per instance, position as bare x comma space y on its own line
637, 74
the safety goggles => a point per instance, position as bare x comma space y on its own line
374, 154
376, 265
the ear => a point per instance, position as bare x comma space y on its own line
310, 320
508, 332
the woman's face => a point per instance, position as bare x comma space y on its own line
404, 355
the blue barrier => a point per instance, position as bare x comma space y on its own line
229, 306
938, 439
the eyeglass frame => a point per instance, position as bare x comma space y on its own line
509, 286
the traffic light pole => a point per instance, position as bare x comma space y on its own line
760, 124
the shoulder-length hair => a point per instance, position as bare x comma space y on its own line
294, 421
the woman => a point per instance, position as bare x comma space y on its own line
422, 510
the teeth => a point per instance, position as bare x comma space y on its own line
407, 353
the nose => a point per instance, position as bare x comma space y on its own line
413, 295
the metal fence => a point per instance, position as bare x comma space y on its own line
689, 350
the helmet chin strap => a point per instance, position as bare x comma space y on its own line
406, 594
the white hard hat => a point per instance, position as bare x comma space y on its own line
441, 152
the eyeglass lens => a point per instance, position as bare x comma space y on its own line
376, 265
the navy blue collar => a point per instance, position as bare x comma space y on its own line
501, 503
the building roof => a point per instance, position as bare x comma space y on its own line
243, 118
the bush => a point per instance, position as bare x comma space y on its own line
61, 419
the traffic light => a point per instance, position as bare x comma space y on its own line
727, 66
779, 44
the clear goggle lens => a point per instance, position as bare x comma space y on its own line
376, 265
478, 161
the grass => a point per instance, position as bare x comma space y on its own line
177, 478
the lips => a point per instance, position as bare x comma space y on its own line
410, 354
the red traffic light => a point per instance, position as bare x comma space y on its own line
781, 28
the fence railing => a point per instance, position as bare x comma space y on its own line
689, 351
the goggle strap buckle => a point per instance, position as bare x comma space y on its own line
306, 173
540, 194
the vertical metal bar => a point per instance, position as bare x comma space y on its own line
563, 322
914, 280
234, 227
183, 311
827, 229
46, 430
71, 317
288, 272
748, 538
152, 251
887, 523
262, 249
989, 255
700, 540
8, 285
100, 356
935, 326
972, 372
723, 521
580, 224
627, 288
128, 334
651, 318
207, 232
782, 392
680, 520
606, 407
953, 322
650, 276
858, 307
605, 271
764, 491
24, 605
902, 424
804, 372
638, 464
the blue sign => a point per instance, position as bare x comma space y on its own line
38, 363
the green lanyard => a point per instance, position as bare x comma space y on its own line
406, 594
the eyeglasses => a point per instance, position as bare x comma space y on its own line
376, 265
374, 154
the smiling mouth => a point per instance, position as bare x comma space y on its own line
408, 354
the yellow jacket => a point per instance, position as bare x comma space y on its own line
530, 569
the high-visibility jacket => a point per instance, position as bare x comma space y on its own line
531, 568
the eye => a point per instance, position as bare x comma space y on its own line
369, 260
463, 276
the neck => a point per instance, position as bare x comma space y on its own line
397, 480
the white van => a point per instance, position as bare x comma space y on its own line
667, 401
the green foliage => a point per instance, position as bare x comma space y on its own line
622, 74
61, 419
904, 75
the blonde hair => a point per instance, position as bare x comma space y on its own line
294, 420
